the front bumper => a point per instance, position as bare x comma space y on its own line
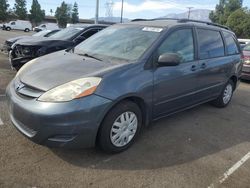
18, 62
245, 74
71, 124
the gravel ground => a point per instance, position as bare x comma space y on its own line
190, 149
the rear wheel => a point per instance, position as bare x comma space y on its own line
226, 96
27, 30
120, 127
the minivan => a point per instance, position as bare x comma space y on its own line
106, 89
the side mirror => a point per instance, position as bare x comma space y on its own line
169, 59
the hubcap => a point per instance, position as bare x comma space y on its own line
124, 129
227, 94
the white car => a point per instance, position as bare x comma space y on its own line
18, 25
46, 26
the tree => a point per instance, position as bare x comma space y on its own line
223, 10
51, 12
36, 13
3, 10
239, 22
20, 9
62, 14
75, 14
217, 16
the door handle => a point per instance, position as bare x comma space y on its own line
203, 65
193, 68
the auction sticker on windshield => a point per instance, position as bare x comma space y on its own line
153, 29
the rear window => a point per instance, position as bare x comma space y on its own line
210, 44
232, 47
247, 48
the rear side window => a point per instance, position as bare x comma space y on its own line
180, 42
232, 47
89, 33
210, 44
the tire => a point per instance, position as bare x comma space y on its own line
226, 96
8, 28
27, 30
110, 141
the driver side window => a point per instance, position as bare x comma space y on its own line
180, 42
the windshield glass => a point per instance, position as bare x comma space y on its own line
41, 33
119, 42
67, 33
247, 48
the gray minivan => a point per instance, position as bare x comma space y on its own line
103, 91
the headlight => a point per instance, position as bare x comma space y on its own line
71, 90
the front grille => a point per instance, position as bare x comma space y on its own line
27, 91
25, 51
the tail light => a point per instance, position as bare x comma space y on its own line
246, 59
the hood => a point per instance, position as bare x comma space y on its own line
43, 41
13, 40
61, 67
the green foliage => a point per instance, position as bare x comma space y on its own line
239, 22
75, 14
231, 13
62, 14
20, 9
3, 10
223, 10
36, 13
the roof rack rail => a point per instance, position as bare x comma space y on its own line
204, 22
184, 21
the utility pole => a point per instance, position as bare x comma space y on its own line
97, 12
122, 11
189, 11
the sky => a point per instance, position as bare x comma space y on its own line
132, 8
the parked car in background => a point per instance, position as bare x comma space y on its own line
25, 50
18, 25
46, 26
243, 42
246, 60
46, 33
110, 86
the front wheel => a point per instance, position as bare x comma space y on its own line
27, 30
226, 96
120, 127
8, 28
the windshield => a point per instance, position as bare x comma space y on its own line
247, 48
41, 33
67, 33
119, 42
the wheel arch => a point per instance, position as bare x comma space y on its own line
235, 80
146, 116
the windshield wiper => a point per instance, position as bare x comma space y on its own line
91, 56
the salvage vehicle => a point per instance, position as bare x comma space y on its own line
246, 66
106, 89
25, 50
23, 25
46, 33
